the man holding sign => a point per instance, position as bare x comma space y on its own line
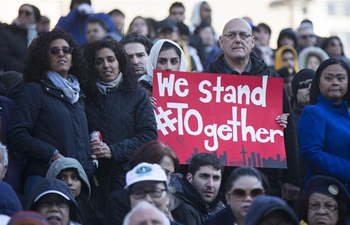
237, 58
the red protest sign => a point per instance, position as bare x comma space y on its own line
231, 116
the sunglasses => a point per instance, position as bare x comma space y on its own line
65, 49
240, 194
304, 84
335, 44
307, 36
26, 13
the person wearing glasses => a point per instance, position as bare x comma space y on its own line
333, 46
237, 58
306, 36
118, 203
148, 182
324, 125
49, 121
16, 37
326, 201
301, 84
244, 185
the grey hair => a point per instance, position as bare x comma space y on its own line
145, 205
4, 153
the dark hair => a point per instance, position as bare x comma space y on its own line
246, 171
202, 26
176, 4
116, 11
154, 152
133, 20
99, 21
79, 2
288, 50
137, 38
328, 40
36, 11
37, 61
129, 82
167, 45
264, 26
204, 159
315, 89
301, 207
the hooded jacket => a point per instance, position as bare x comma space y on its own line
68, 163
263, 206
9, 203
259, 68
54, 186
309, 51
290, 33
279, 60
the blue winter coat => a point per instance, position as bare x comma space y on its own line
45, 120
9, 203
324, 134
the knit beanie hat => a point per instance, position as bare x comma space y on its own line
302, 75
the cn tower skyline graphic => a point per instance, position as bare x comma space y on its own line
254, 159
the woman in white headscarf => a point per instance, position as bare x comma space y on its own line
165, 55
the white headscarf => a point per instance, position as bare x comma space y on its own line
153, 57
196, 19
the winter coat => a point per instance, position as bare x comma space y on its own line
45, 120
224, 217
259, 68
126, 121
9, 203
198, 210
324, 134
13, 48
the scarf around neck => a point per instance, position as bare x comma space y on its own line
69, 86
102, 86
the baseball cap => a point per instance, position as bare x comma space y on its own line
145, 172
52, 192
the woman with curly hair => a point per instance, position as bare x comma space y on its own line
119, 110
49, 120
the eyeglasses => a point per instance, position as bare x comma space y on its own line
242, 35
307, 36
26, 13
154, 193
240, 194
304, 84
328, 207
65, 49
335, 44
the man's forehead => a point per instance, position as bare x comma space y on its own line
237, 25
208, 169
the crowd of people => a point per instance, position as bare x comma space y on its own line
90, 74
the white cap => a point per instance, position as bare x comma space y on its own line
52, 192
145, 172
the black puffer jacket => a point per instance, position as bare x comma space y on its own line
45, 120
126, 121
291, 174
13, 48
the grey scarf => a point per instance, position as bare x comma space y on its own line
102, 86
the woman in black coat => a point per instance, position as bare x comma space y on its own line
49, 121
119, 110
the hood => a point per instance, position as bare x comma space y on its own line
196, 14
306, 52
68, 163
153, 57
263, 206
279, 60
54, 186
288, 32
9, 203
